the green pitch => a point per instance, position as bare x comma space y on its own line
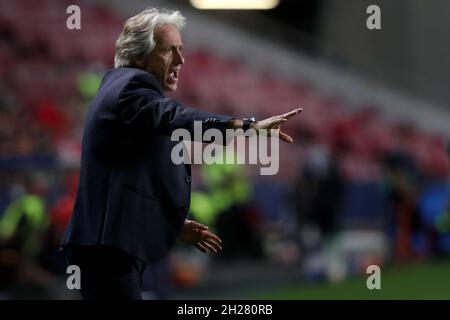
411, 281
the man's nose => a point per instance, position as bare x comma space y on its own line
179, 59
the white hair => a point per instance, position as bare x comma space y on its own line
138, 34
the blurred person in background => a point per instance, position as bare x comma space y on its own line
224, 202
402, 182
434, 202
318, 189
132, 199
23, 227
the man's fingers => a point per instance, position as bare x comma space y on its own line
207, 234
292, 113
280, 134
278, 121
200, 247
204, 247
209, 246
283, 136
197, 225
213, 243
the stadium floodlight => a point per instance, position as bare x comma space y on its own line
235, 4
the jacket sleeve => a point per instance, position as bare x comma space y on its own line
144, 109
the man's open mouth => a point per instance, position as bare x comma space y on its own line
174, 75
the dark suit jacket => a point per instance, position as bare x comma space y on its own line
130, 194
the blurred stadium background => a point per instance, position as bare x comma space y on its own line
366, 182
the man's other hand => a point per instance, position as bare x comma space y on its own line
197, 234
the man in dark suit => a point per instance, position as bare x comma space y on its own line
132, 200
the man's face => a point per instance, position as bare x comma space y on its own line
165, 60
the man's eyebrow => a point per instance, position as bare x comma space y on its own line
175, 46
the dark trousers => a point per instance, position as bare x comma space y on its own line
106, 272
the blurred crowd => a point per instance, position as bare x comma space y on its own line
349, 170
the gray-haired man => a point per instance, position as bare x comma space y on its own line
132, 199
